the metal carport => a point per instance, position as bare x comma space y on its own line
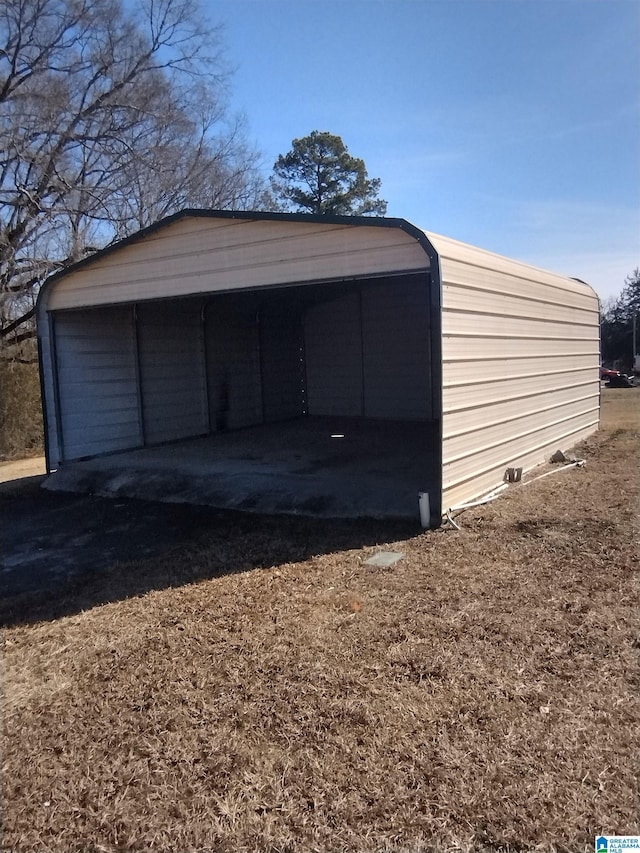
305, 361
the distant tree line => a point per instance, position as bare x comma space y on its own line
616, 324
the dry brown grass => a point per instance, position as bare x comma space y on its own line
480, 695
20, 409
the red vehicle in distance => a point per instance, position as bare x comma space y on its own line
615, 379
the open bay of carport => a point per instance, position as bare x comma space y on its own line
316, 466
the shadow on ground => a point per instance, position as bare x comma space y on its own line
64, 553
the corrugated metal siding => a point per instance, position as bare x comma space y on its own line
520, 352
233, 365
172, 371
282, 362
204, 255
471, 407
490, 369
520, 346
474, 480
368, 353
397, 360
333, 355
95, 353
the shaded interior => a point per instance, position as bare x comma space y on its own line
241, 393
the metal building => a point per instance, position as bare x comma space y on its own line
340, 365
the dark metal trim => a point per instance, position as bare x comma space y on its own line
433, 281
56, 386
43, 405
586, 284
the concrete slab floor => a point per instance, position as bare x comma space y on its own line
326, 467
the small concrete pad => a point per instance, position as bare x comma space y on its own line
383, 559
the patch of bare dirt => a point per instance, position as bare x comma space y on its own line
479, 695
18, 470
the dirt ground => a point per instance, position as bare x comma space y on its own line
52, 545
258, 686
12, 471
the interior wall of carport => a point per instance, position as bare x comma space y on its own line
126, 376
133, 375
349, 350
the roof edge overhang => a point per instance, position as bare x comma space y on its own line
247, 215
451, 249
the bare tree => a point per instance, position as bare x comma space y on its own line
109, 119
185, 163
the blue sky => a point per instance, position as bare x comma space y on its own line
510, 124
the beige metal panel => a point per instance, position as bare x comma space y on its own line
465, 479
471, 347
95, 355
478, 370
181, 240
515, 446
463, 417
534, 302
465, 276
532, 339
479, 266
474, 483
472, 395
532, 445
497, 434
202, 256
482, 325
